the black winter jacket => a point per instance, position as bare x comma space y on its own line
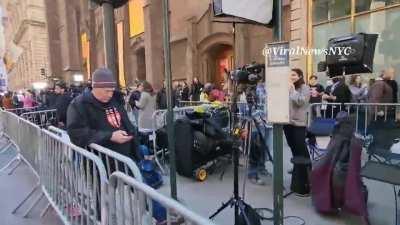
61, 104
90, 121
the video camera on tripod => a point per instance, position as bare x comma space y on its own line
249, 74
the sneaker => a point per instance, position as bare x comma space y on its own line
257, 181
264, 172
305, 195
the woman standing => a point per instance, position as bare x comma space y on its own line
185, 92
295, 133
7, 101
358, 92
28, 101
146, 106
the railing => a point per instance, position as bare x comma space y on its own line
191, 103
75, 187
19, 111
75, 181
43, 118
124, 191
116, 162
363, 113
62, 133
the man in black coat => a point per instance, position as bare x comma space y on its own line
161, 98
99, 116
338, 93
62, 100
391, 81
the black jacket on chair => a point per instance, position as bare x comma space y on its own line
90, 121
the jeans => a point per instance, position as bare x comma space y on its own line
258, 151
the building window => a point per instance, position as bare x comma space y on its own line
120, 43
325, 10
385, 23
136, 17
367, 5
370, 16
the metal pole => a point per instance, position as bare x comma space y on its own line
109, 36
170, 112
278, 133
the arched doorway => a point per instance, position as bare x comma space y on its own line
219, 58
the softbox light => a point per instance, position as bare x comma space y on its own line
259, 11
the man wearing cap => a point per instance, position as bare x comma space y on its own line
98, 116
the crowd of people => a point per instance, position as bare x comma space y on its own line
98, 113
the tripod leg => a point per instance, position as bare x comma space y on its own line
241, 206
220, 209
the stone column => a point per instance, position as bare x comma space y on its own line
191, 51
153, 41
69, 39
241, 46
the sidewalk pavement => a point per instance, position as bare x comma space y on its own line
13, 188
206, 197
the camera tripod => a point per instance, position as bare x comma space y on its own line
236, 201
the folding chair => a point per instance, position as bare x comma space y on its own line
382, 164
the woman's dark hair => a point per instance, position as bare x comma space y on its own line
147, 87
353, 80
299, 82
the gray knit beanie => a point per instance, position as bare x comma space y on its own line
103, 78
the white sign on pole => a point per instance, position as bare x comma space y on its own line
277, 72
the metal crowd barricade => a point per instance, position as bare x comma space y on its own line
28, 145
114, 161
4, 126
366, 113
19, 111
363, 113
190, 103
62, 133
75, 188
124, 193
42, 118
10, 123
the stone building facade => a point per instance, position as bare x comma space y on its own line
26, 27
200, 46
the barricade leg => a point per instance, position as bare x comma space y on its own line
5, 148
16, 165
45, 210
33, 205
8, 164
25, 199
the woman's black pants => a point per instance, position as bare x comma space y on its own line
295, 137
